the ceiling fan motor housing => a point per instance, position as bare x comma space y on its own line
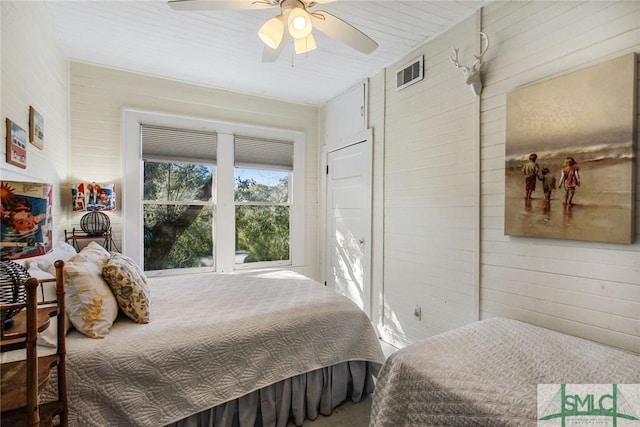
288, 5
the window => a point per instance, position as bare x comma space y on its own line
177, 197
262, 199
262, 215
178, 215
212, 196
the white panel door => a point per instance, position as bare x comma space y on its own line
348, 204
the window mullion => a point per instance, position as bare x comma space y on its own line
225, 206
180, 203
262, 204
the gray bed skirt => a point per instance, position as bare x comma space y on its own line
296, 398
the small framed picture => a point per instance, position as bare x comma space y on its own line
36, 128
16, 145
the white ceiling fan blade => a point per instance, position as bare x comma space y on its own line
342, 31
195, 5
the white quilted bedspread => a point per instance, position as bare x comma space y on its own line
486, 374
211, 338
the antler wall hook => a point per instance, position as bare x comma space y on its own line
472, 74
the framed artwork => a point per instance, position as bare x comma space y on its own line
16, 145
26, 226
93, 197
570, 155
36, 128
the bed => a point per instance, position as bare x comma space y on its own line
247, 348
486, 374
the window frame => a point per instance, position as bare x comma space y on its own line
224, 200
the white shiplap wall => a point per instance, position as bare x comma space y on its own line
583, 288
439, 177
430, 193
99, 94
376, 113
34, 72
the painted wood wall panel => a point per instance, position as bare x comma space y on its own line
426, 135
376, 117
345, 115
98, 95
430, 188
588, 289
35, 73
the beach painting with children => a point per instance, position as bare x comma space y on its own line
26, 226
570, 155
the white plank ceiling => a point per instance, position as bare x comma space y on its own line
222, 49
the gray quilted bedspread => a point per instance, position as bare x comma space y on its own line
211, 338
486, 374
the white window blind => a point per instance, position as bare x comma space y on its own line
261, 152
165, 143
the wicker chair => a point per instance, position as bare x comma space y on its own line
23, 380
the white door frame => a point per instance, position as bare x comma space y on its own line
366, 138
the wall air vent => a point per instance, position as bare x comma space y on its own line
410, 73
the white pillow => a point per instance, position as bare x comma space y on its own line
49, 288
48, 337
89, 302
62, 251
94, 253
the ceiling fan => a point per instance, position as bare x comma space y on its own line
296, 20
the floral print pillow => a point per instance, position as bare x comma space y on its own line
129, 285
93, 252
90, 304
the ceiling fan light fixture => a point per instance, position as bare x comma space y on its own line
299, 23
272, 31
297, 18
304, 45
